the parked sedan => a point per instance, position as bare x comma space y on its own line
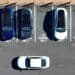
24, 25
32, 62
60, 25
6, 24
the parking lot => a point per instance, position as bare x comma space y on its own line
62, 54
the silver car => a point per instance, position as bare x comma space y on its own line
60, 30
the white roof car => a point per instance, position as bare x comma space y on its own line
60, 30
33, 62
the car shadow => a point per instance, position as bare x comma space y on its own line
14, 63
48, 25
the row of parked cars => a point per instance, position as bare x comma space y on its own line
18, 23
12, 25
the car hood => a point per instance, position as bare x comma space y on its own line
61, 35
21, 62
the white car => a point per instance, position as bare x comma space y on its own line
60, 27
32, 62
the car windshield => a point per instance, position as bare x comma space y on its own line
43, 62
27, 62
61, 19
7, 18
26, 18
60, 29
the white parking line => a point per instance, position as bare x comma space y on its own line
70, 23
34, 23
53, 7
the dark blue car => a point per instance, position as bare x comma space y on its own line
23, 24
6, 23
